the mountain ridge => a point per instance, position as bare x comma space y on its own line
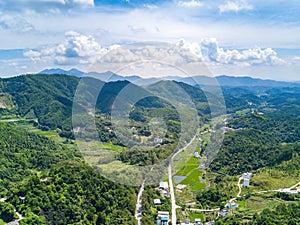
223, 80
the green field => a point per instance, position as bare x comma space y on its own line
192, 178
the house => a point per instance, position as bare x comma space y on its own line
158, 140
247, 175
246, 182
162, 218
163, 186
202, 167
223, 212
198, 221
157, 201
232, 205
187, 222
164, 193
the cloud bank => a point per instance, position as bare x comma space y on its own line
78, 48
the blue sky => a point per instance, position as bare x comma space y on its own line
233, 37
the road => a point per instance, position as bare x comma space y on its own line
20, 216
282, 189
239, 193
138, 210
203, 210
172, 194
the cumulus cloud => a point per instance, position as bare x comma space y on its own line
190, 4
235, 6
81, 49
194, 47
75, 49
15, 24
214, 53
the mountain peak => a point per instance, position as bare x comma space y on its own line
71, 72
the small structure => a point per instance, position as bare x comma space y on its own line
247, 175
232, 205
181, 186
196, 155
223, 212
163, 186
158, 140
202, 167
162, 218
246, 182
198, 221
187, 222
157, 201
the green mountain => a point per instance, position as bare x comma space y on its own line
49, 183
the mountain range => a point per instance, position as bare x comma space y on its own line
223, 80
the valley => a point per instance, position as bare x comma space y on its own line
52, 176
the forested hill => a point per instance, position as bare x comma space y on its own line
49, 98
262, 139
50, 184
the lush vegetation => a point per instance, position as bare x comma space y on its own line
260, 140
47, 182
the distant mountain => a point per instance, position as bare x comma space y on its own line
71, 72
223, 80
232, 81
110, 76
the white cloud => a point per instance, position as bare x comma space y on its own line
190, 4
235, 6
76, 48
210, 48
194, 47
81, 49
15, 24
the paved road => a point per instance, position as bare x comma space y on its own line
172, 194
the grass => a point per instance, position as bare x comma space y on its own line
192, 178
189, 166
198, 186
242, 204
2, 222
272, 180
193, 216
187, 169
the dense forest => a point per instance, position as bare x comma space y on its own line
260, 140
50, 184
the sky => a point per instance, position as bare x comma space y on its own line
232, 37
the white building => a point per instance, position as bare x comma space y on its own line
247, 175
246, 182
163, 185
196, 155
232, 205
223, 212
157, 201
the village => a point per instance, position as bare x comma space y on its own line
163, 217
